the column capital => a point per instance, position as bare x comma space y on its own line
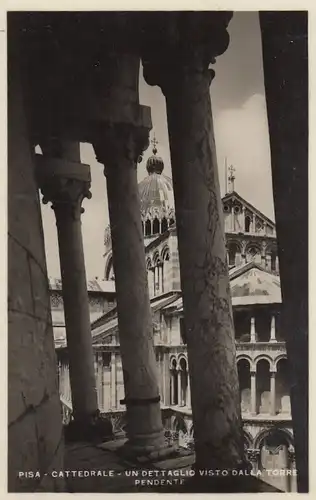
181, 43
64, 183
120, 142
291, 453
253, 454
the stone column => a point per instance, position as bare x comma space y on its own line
100, 379
277, 264
253, 409
113, 380
272, 393
166, 379
253, 330
188, 393
118, 148
244, 218
272, 331
66, 183
181, 69
172, 399
179, 388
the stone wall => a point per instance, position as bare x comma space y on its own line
35, 440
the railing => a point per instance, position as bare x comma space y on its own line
261, 346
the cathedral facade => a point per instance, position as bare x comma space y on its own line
256, 299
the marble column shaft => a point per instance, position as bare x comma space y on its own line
179, 388
253, 329
113, 380
272, 393
172, 391
204, 271
119, 152
272, 331
253, 393
188, 402
65, 183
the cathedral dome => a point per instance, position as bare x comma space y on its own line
156, 190
155, 164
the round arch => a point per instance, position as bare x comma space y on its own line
156, 258
165, 253
246, 357
266, 358
179, 424
182, 357
269, 432
278, 358
173, 363
253, 244
233, 241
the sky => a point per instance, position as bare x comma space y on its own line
241, 136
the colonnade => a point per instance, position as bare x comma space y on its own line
264, 388
180, 389
119, 140
241, 252
254, 337
156, 225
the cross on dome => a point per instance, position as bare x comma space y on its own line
154, 143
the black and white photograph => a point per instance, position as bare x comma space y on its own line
157, 259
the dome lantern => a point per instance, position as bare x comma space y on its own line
155, 164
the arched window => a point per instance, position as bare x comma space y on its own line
232, 252
156, 226
253, 254
148, 228
171, 221
247, 223
184, 382
174, 383
164, 224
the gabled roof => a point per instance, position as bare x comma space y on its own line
251, 284
108, 324
94, 285
248, 205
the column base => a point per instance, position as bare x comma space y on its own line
272, 341
91, 428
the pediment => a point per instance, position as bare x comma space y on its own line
251, 284
237, 200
